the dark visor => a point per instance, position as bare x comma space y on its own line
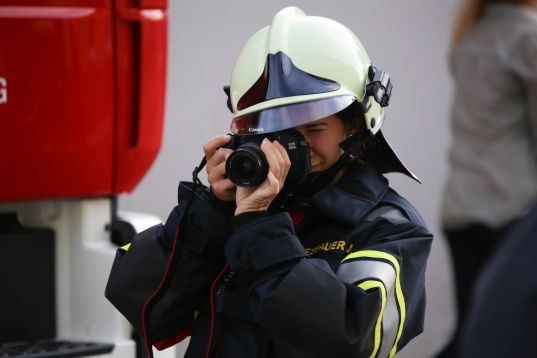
285, 117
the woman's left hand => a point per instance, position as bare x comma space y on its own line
259, 198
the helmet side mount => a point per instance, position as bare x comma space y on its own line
380, 86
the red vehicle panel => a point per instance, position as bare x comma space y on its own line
141, 71
81, 96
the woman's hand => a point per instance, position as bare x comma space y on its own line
221, 186
259, 198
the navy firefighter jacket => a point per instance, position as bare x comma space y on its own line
339, 275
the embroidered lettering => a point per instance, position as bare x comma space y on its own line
328, 246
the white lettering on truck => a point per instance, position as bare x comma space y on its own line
3, 90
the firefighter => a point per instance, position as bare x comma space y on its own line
329, 264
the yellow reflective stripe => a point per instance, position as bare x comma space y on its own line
126, 247
367, 285
398, 290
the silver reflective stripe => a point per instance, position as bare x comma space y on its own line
354, 271
390, 213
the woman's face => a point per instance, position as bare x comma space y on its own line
324, 136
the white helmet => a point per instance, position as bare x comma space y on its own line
303, 68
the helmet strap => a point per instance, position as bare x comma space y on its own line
354, 146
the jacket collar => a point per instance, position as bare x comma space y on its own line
358, 191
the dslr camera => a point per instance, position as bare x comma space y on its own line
248, 165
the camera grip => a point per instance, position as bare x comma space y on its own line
233, 143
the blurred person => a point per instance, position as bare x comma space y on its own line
493, 158
502, 323
317, 258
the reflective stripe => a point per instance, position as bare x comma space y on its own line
354, 271
367, 285
389, 273
126, 247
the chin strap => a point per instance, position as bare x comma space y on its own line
316, 181
354, 146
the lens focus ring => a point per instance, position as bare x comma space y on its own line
247, 166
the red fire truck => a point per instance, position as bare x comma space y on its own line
82, 87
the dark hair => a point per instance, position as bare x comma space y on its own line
352, 115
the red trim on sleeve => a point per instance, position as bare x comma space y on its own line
176, 338
146, 339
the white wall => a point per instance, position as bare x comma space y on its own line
407, 38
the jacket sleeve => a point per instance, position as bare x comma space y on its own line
139, 268
364, 309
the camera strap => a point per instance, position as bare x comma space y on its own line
196, 171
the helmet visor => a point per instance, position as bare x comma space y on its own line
280, 118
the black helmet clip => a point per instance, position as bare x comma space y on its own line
380, 86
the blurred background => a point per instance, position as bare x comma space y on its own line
407, 38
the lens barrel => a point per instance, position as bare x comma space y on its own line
247, 165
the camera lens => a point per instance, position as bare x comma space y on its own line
247, 166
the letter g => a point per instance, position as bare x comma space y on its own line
3, 91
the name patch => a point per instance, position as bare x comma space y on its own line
329, 246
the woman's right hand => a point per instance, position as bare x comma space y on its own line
221, 186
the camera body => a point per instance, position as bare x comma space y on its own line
248, 165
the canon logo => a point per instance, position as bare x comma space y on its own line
3, 90
255, 129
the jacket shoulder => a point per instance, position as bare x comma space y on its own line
393, 198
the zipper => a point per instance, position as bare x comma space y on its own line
220, 283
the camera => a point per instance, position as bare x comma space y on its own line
248, 165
